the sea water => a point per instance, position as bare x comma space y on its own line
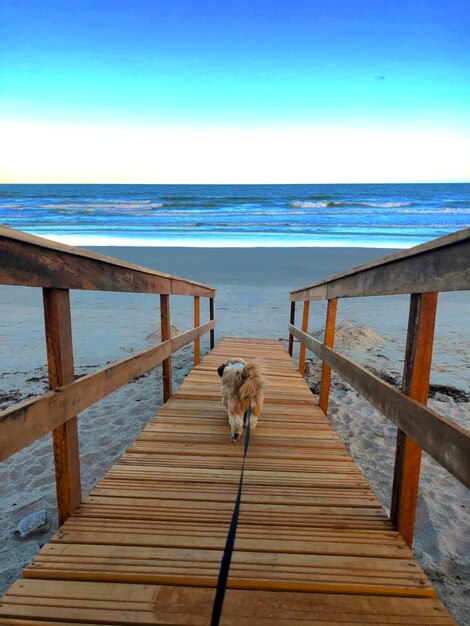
380, 216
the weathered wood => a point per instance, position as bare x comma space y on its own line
27, 421
58, 328
37, 262
310, 528
329, 341
197, 321
166, 334
306, 311
292, 321
161, 516
440, 265
211, 317
445, 441
416, 376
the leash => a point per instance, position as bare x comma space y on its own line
230, 541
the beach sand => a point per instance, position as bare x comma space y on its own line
251, 300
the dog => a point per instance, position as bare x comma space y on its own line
242, 383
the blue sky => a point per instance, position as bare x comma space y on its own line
357, 66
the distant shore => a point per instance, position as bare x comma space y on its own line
251, 300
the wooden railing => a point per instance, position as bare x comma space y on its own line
423, 271
26, 260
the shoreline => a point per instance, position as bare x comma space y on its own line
298, 266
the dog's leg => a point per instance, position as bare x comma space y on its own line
254, 421
236, 424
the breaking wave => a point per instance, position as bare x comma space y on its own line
323, 205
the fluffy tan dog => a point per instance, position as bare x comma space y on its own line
242, 382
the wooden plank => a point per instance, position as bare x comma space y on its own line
306, 311
33, 261
445, 441
313, 544
165, 326
211, 317
27, 421
440, 265
197, 322
417, 370
292, 321
58, 329
328, 341
125, 603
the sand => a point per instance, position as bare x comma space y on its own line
252, 286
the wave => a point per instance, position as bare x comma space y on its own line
446, 211
310, 205
324, 205
385, 205
101, 206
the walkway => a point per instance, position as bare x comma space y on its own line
313, 544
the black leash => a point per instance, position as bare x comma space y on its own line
228, 550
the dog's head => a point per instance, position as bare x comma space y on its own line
235, 368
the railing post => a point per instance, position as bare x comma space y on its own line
292, 321
211, 317
419, 345
329, 342
58, 327
197, 322
303, 348
165, 325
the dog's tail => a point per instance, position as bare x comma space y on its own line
253, 376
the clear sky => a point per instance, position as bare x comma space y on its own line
234, 91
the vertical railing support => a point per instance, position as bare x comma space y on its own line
303, 349
292, 321
197, 322
329, 342
211, 317
165, 326
58, 328
418, 356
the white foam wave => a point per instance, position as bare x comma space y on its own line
323, 205
308, 205
446, 211
84, 206
386, 205
217, 242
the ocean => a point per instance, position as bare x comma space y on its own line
378, 216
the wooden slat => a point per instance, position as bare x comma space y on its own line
440, 265
27, 421
211, 317
58, 328
37, 262
197, 322
165, 326
292, 321
106, 603
445, 441
305, 315
328, 341
313, 544
416, 376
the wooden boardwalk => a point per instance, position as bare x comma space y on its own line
313, 544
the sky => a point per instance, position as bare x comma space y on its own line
306, 91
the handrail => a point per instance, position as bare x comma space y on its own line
23, 423
26, 260
439, 265
32, 261
445, 441
423, 271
